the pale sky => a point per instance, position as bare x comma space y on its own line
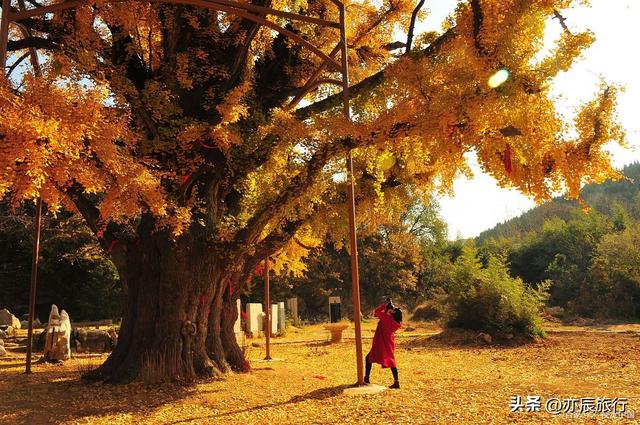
479, 204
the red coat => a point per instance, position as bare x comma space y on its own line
384, 341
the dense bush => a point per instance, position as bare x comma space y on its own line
488, 299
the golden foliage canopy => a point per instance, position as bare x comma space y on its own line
180, 113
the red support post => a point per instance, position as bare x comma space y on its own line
34, 278
267, 316
355, 278
4, 35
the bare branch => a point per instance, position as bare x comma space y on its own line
16, 63
562, 20
412, 24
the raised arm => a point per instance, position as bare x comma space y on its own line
380, 311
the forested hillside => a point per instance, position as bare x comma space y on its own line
600, 197
590, 257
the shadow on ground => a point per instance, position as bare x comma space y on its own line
319, 394
38, 399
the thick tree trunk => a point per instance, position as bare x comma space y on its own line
233, 353
163, 336
215, 349
221, 340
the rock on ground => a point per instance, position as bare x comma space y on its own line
6, 318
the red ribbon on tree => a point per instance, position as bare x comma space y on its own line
113, 245
184, 179
258, 270
508, 166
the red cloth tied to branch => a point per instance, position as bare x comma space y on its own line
184, 179
113, 244
383, 348
508, 166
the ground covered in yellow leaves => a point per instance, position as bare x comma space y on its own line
442, 382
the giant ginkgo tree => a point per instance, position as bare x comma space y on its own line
166, 127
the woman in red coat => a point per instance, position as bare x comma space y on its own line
384, 344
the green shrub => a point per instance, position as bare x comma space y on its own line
488, 299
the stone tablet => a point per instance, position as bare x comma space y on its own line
237, 325
274, 319
281, 318
292, 306
334, 309
254, 322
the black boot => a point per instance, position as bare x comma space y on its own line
396, 382
368, 370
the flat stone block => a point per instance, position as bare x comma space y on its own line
364, 389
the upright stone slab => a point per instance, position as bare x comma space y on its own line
274, 319
292, 307
281, 318
237, 327
254, 321
334, 309
262, 319
8, 319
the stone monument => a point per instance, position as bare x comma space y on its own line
281, 318
57, 346
273, 319
237, 326
292, 307
254, 319
334, 309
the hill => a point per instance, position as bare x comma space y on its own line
601, 197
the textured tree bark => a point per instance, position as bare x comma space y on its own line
233, 353
164, 329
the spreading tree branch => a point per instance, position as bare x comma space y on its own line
562, 20
32, 42
294, 191
412, 24
370, 82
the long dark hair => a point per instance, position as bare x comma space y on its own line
397, 315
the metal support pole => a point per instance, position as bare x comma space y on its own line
268, 308
4, 41
4, 35
34, 277
355, 279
